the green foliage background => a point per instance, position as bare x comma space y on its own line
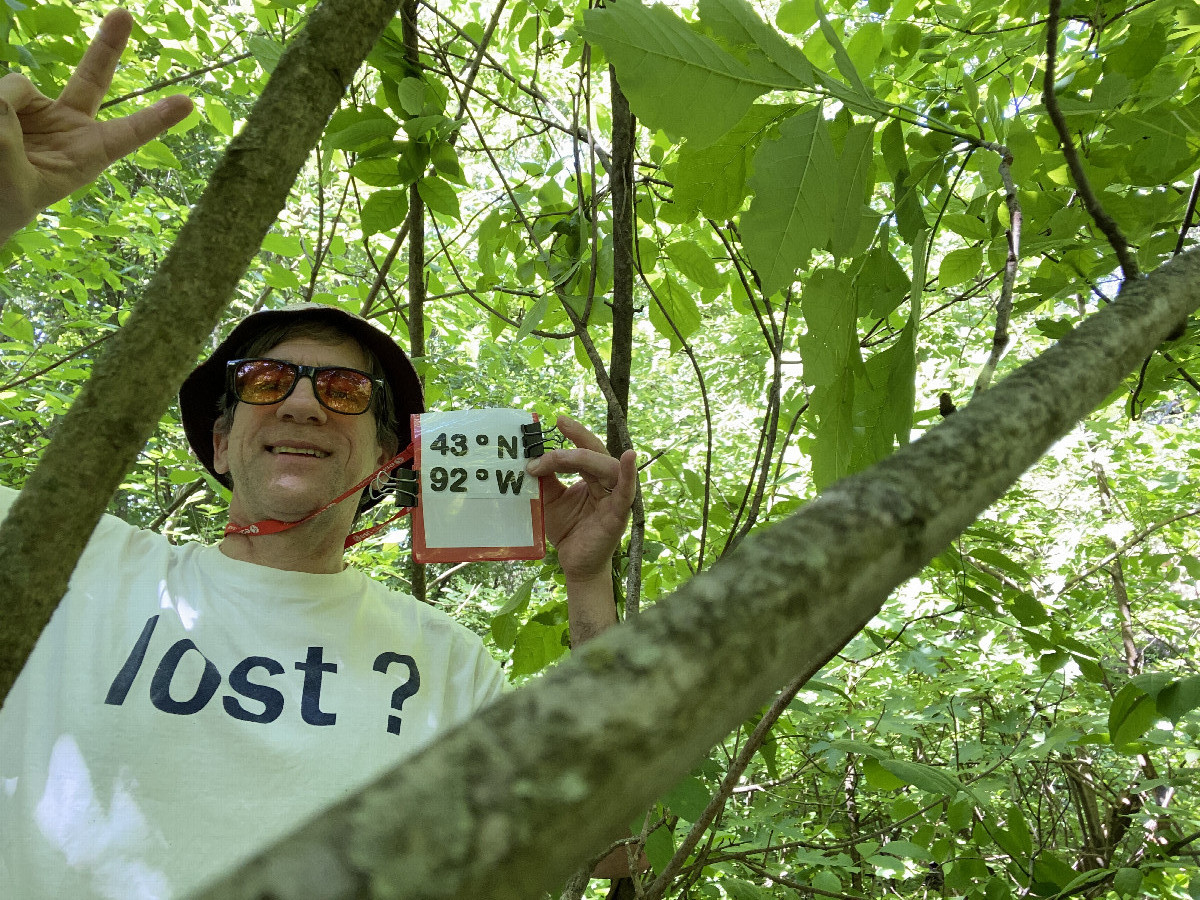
822, 230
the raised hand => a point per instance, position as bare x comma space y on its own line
586, 520
50, 148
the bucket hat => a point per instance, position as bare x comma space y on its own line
200, 395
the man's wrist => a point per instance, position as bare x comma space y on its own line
591, 606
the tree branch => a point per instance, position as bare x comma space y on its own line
1105, 222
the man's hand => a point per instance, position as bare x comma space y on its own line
587, 520
50, 148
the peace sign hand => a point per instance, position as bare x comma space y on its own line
50, 148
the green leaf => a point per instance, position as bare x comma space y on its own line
737, 22
840, 57
694, 263
504, 630
737, 889
712, 179
52, 18
1131, 715
880, 777
445, 159
676, 79
377, 171
660, 847
360, 129
219, 116
970, 227
533, 316
795, 198
795, 16
411, 94
537, 646
830, 341
518, 601
1178, 698
439, 197
961, 813
928, 778
910, 219
266, 51
282, 244
675, 306
1051, 872
384, 210
1128, 882
688, 799
881, 283
1025, 608
854, 221
959, 266
157, 155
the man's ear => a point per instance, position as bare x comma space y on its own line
220, 448
387, 450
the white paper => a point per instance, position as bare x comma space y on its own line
475, 491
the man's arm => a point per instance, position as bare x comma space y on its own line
50, 148
586, 521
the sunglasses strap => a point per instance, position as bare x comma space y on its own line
274, 526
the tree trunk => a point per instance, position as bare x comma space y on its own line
416, 253
507, 805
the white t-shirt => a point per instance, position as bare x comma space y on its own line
182, 710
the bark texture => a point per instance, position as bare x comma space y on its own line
143, 366
507, 805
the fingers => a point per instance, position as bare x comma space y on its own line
578, 435
122, 136
91, 78
592, 462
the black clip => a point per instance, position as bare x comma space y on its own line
402, 484
535, 439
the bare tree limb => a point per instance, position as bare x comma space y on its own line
1105, 222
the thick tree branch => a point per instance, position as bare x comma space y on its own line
511, 802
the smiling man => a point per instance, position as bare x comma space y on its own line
188, 704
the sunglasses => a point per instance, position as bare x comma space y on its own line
260, 382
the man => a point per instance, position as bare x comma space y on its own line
188, 704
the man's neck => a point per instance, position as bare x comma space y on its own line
300, 549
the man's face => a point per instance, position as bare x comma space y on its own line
292, 457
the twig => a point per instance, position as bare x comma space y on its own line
1129, 266
58, 362
1187, 216
1004, 308
177, 501
1133, 541
728, 783
159, 85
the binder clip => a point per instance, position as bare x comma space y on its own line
534, 438
402, 484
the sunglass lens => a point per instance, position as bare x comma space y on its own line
344, 390
263, 380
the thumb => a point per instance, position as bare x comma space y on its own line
11, 136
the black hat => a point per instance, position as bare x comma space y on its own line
200, 395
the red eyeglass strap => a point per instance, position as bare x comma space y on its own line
274, 526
